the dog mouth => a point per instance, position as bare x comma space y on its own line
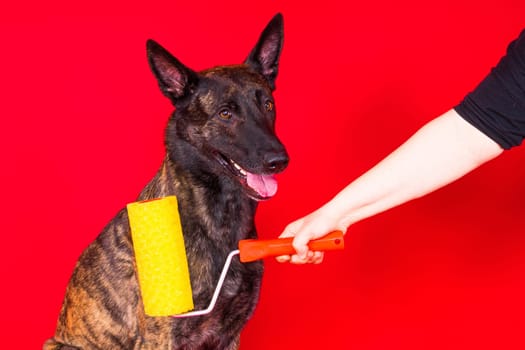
257, 186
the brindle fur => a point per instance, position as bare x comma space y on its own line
102, 308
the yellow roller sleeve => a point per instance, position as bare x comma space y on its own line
160, 255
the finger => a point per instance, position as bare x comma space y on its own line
318, 257
311, 258
297, 260
291, 229
283, 258
300, 260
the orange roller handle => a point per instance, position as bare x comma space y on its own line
255, 249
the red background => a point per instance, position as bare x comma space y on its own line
82, 126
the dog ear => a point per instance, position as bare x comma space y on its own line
175, 79
265, 55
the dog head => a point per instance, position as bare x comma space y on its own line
224, 119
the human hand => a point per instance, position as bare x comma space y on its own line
313, 226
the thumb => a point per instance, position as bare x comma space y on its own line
300, 244
292, 229
289, 231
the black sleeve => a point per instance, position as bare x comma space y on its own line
497, 106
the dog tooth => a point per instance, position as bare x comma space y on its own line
238, 167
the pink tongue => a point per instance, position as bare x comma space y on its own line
265, 185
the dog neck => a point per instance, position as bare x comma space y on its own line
216, 209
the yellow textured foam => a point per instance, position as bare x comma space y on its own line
160, 255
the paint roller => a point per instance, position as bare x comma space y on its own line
161, 262
160, 256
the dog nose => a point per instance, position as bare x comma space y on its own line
276, 162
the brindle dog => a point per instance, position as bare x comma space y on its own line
221, 155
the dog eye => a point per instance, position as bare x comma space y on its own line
225, 114
268, 105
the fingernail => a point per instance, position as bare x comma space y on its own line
282, 259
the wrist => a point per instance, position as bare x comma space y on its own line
337, 212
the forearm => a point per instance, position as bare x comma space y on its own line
442, 151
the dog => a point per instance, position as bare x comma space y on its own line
221, 157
